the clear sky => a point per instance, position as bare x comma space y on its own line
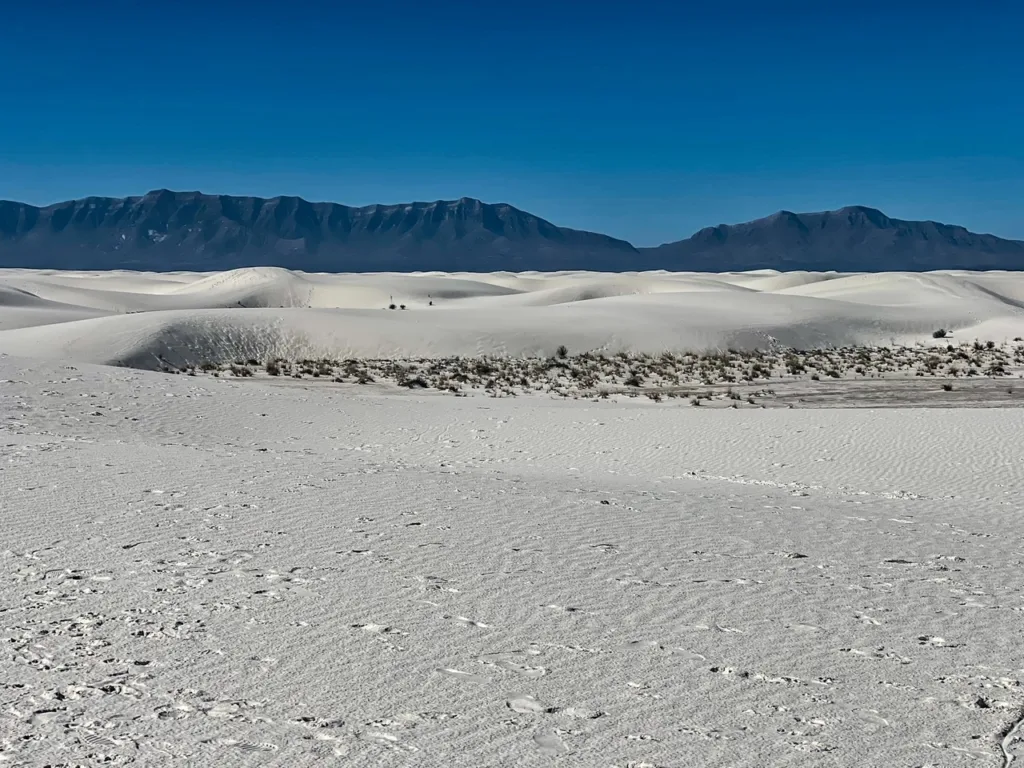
643, 120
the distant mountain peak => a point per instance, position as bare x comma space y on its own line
165, 230
855, 238
168, 230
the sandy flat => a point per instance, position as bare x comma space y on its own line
213, 572
280, 572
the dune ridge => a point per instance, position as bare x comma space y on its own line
143, 319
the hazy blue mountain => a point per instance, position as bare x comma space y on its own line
854, 239
167, 231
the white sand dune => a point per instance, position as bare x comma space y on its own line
139, 319
20, 308
218, 572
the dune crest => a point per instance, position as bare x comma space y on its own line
142, 319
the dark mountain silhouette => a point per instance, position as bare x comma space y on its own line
854, 239
166, 231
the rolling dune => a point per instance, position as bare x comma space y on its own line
141, 319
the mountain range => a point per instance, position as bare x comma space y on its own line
171, 231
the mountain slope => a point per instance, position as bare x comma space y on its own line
166, 230
170, 231
854, 239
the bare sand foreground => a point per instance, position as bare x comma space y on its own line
218, 572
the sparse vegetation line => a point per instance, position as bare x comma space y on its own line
696, 376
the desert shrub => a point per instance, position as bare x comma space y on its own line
939, 334
947, 387
416, 382
391, 306
272, 368
562, 351
206, 365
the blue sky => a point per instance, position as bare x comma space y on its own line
643, 120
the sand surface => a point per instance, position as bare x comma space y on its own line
138, 319
279, 572
214, 572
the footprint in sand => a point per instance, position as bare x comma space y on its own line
550, 743
386, 740
528, 705
246, 746
310, 721
522, 669
97, 741
45, 716
582, 713
804, 628
466, 677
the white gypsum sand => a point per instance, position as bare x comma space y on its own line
140, 319
216, 571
